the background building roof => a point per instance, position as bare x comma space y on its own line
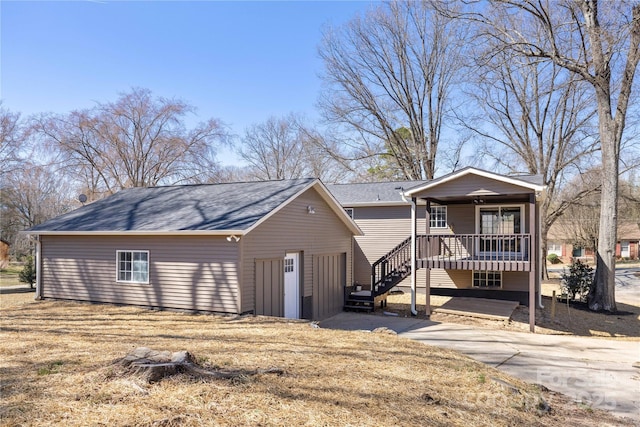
371, 192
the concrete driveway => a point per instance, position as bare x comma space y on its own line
628, 285
596, 372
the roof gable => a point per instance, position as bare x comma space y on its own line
476, 182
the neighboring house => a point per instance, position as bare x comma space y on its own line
475, 234
560, 241
4, 253
278, 248
628, 246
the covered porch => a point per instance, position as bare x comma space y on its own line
481, 229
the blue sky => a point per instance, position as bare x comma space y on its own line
240, 62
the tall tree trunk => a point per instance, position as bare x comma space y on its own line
602, 296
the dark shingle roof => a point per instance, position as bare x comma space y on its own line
531, 179
215, 207
371, 192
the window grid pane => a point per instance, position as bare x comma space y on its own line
133, 266
438, 217
487, 279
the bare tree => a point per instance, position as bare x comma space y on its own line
12, 137
31, 194
284, 148
600, 44
582, 219
136, 141
581, 201
393, 69
273, 149
539, 120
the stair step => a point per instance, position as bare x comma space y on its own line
359, 301
358, 307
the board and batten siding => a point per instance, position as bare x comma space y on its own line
270, 287
329, 276
384, 227
185, 272
294, 229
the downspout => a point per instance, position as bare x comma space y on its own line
38, 265
540, 255
414, 312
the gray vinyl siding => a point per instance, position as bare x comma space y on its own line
293, 229
185, 272
463, 279
384, 227
471, 185
461, 219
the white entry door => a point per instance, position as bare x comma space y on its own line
291, 286
625, 249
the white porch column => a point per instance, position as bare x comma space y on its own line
533, 257
427, 254
414, 263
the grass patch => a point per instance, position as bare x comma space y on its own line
51, 368
332, 378
9, 276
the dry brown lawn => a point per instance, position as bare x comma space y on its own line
56, 368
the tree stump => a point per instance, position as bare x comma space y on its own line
153, 366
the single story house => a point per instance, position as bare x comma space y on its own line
296, 248
561, 241
471, 233
628, 246
278, 248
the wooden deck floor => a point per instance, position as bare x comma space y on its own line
479, 307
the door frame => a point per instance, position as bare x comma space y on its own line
292, 284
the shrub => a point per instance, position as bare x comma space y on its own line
553, 259
28, 273
578, 281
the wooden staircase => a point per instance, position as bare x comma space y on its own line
386, 273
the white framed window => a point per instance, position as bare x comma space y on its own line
132, 266
350, 212
504, 221
288, 265
487, 279
554, 248
438, 217
500, 219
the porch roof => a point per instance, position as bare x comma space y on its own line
471, 183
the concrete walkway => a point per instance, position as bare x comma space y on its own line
479, 307
596, 372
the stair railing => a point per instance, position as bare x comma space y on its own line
387, 271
